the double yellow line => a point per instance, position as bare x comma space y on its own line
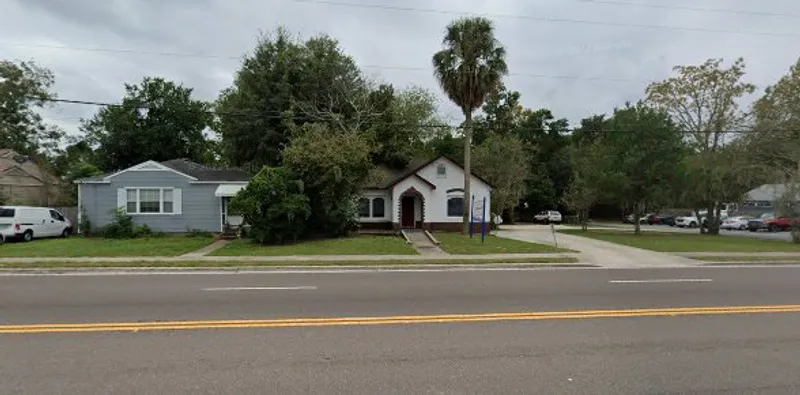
396, 320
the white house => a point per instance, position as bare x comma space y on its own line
426, 195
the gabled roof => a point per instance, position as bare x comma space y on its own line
384, 178
193, 171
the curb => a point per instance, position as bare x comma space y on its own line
268, 269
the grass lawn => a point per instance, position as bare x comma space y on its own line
456, 243
677, 242
358, 245
98, 247
745, 259
566, 262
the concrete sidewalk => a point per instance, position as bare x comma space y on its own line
299, 259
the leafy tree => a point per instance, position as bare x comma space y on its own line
282, 83
646, 147
502, 114
703, 101
588, 179
402, 122
274, 205
471, 65
24, 87
333, 165
550, 164
501, 160
157, 120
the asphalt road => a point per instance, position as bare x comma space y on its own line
726, 353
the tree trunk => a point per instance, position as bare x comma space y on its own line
467, 172
637, 227
700, 221
584, 218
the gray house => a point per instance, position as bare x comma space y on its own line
175, 196
765, 199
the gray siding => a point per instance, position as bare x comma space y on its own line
201, 210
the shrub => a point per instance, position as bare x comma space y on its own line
274, 206
120, 227
198, 233
142, 231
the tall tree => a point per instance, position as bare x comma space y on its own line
471, 65
502, 114
25, 87
157, 120
502, 160
589, 178
285, 82
645, 147
703, 101
333, 166
402, 122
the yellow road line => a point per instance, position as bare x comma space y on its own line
395, 320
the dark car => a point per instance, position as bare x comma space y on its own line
760, 223
664, 219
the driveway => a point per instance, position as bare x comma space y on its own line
595, 251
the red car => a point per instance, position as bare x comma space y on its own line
780, 224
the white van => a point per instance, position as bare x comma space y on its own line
27, 223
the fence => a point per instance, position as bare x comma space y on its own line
72, 215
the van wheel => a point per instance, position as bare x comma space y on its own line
692, 225
66, 233
27, 236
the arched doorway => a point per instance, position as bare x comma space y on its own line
411, 209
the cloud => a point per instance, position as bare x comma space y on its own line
576, 69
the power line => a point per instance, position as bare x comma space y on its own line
685, 8
544, 19
304, 117
366, 66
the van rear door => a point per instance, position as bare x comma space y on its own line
6, 218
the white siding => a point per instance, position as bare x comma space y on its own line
420, 186
436, 201
387, 206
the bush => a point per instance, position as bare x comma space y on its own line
120, 227
274, 206
198, 233
142, 231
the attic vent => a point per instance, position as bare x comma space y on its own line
20, 159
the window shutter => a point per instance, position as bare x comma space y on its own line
177, 197
122, 199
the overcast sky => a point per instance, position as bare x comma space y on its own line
607, 50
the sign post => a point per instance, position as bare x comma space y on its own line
472, 218
483, 221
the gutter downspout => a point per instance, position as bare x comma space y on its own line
80, 211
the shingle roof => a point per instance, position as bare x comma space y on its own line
768, 193
383, 177
206, 173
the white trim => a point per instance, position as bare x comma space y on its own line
77, 226
220, 182
160, 201
91, 182
143, 167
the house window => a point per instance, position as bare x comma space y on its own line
133, 205
167, 199
378, 207
363, 208
455, 206
150, 200
441, 171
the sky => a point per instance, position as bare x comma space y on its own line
575, 57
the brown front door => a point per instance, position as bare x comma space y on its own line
407, 210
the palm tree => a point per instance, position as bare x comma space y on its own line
471, 65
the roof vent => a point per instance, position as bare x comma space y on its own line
20, 159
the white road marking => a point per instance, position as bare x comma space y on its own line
665, 280
303, 287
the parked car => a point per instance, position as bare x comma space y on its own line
664, 219
28, 223
645, 219
690, 221
756, 224
736, 223
782, 224
547, 217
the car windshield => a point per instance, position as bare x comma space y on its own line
6, 212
